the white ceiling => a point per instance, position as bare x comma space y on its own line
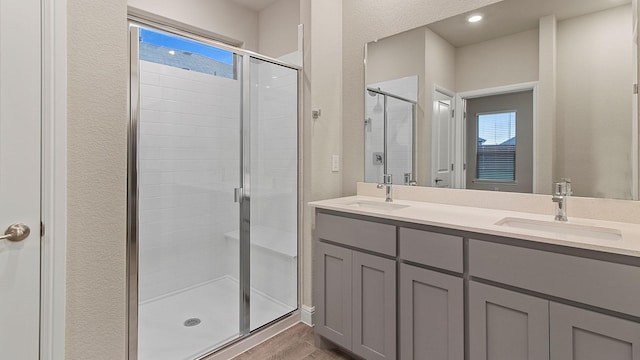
513, 16
255, 5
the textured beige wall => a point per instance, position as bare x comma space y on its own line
306, 260
222, 17
326, 86
323, 136
97, 179
396, 57
364, 21
278, 28
507, 60
439, 62
593, 108
545, 146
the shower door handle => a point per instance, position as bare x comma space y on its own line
237, 194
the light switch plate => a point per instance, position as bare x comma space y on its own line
335, 163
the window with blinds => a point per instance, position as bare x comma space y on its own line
496, 147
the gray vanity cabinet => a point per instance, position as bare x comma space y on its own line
333, 267
524, 301
585, 335
355, 291
431, 316
506, 325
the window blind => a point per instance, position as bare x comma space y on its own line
496, 147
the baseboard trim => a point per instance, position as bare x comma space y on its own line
307, 313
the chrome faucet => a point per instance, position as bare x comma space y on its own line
561, 190
386, 183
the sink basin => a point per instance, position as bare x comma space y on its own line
571, 231
376, 205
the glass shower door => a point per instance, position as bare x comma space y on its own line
189, 164
274, 191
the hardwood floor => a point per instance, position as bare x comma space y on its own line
296, 343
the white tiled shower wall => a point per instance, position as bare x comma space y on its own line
189, 165
188, 168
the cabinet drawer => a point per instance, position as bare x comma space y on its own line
367, 235
432, 249
594, 282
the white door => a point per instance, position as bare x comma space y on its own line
442, 143
20, 108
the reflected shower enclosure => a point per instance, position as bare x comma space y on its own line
213, 203
389, 137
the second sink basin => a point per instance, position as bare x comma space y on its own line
572, 231
375, 205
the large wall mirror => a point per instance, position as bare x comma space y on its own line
509, 97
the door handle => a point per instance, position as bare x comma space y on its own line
16, 232
437, 180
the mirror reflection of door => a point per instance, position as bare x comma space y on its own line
499, 142
442, 143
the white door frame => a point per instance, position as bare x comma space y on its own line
54, 179
460, 127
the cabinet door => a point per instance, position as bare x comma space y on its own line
374, 307
431, 315
585, 335
505, 325
333, 293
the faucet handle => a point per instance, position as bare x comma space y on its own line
387, 179
408, 179
562, 187
567, 186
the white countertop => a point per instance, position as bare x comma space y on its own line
482, 220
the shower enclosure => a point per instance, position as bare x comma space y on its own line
213, 193
389, 137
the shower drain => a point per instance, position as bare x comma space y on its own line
192, 322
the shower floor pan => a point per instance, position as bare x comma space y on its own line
166, 329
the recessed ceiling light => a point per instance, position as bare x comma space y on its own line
474, 18
172, 52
